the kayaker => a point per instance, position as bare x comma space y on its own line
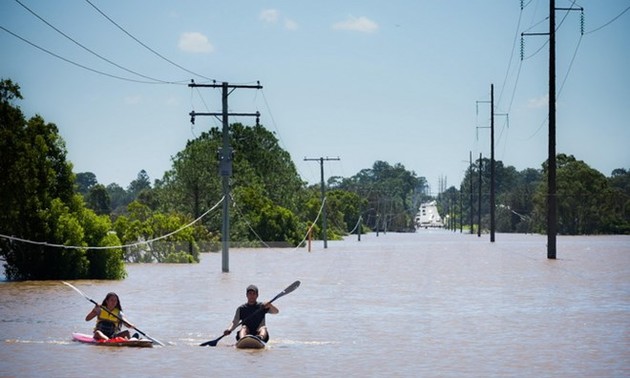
109, 322
252, 314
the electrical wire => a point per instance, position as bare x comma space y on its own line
608, 23
143, 44
569, 69
89, 50
75, 63
507, 71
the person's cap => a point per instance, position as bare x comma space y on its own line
252, 288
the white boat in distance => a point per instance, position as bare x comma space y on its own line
428, 216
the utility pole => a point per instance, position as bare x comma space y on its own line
552, 203
471, 193
479, 199
461, 209
492, 222
225, 159
492, 169
321, 164
492, 164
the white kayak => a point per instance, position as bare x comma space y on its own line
250, 342
115, 342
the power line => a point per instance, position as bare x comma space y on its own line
75, 63
143, 44
569, 69
87, 49
609, 22
507, 71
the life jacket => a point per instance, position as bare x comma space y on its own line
108, 323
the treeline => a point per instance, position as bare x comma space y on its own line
588, 202
56, 224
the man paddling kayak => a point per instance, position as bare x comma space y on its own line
109, 319
252, 315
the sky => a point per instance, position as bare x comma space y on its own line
405, 82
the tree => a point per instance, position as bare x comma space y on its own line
267, 221
39, 203
35, 172
620, 201
142, 182
143, 227
584, 197
257, 153
85, 181
348, 207
193, 185
118, 198
98, 200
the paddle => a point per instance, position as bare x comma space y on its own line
284, 292
119, 318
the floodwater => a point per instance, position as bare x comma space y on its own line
429, 304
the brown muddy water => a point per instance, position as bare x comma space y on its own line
429, 304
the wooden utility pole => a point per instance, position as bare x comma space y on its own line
225, 160
323, 187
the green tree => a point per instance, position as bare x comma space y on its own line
118, 199
34, 172
97, 199
348, 206
85, 181
620, 201
194, 185
39, 203
267, 221
149, 234
584, 198
515, 200
141, 183
257, 153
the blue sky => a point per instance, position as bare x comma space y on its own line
399, 81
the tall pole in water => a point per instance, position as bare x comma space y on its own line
323, 189
552, 200
551, 169
479, 200
471, 195
492, 172
225, 160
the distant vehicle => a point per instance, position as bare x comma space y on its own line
428, 216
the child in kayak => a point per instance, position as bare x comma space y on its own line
110, 319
